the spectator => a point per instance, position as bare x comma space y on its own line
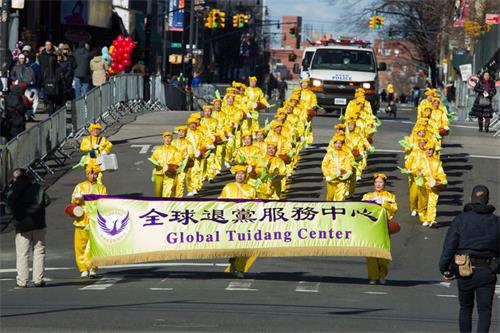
383, 96
483, 108
21, 72
33, 90
98, 69
475, 233
402, 98
416, 96
282, 86
82, 70
68, 65
26, 201
139, 68
48, 67
15, 112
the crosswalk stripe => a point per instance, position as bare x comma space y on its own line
243, 285
450, 296
375, 292
101, 284
307, 287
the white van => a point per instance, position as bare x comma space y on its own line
337, 67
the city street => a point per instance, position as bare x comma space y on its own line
290, 294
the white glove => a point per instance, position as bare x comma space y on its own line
379, 200
485, 94
362, 154
104, 153
96, 146
255, 105
432, 182
165, 168
249, 116
196, 153
211, 147
328, 178
77, 196
249, 169
302, 138
446, 128
235, 126
230, 135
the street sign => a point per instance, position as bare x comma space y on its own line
492, 19
176, 45
465, 71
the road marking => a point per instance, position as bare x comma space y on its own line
101, 284
139, 163
307, 287
6, 279
375, 292
467, 155
449, 296
497, 290
163, 289
144, 148
167, 264
443, 284
243, 285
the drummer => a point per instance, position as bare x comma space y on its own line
166, 160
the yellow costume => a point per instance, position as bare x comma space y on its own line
93, 146
186, 152
82, 251
237, 190
161, 158
337, 168
378, 267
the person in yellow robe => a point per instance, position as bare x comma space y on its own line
255, 94
430, 169
359, 146
239, 190
427, 102
223, 129
260, 142
201, 144
186, 152
93, 146
270, 171
208, 125
234, 116
417, 153
163, 157
81, 239
337, 168
308, 101
378, 267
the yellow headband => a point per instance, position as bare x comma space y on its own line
93, 126
380, 175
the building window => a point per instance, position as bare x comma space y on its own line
387, 52
390, 67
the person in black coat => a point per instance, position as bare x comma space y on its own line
483, 107
475, 232
27, 201
15, 112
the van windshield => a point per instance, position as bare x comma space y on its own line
349, 60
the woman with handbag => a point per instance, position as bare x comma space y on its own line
483, 108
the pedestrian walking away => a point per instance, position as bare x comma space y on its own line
472, 243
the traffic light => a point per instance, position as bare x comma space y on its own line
209, 20
243, 20
236, 21
379, 22
222, 19
219, 19
293, 32
372, 23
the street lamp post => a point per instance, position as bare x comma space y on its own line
4, 33
147, 50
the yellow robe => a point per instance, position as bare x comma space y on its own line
239, 191
378, 268
186, 150
431, 169
331, 166
164, 184
87, 144
275, 168
81, 237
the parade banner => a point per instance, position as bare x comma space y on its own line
132, 230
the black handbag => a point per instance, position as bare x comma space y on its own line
484, 101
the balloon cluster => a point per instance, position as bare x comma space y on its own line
120, 51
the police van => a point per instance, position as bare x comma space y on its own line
337, 67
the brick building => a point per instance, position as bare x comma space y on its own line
402, 69
290, 51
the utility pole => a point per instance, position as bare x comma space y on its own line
147, 50
165, 38
4, 34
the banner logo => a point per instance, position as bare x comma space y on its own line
114, 226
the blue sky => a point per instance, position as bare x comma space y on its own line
326, 14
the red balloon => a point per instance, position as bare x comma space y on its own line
127, 50
115, 43
128, 39
120, 38
121, 67
126, 56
